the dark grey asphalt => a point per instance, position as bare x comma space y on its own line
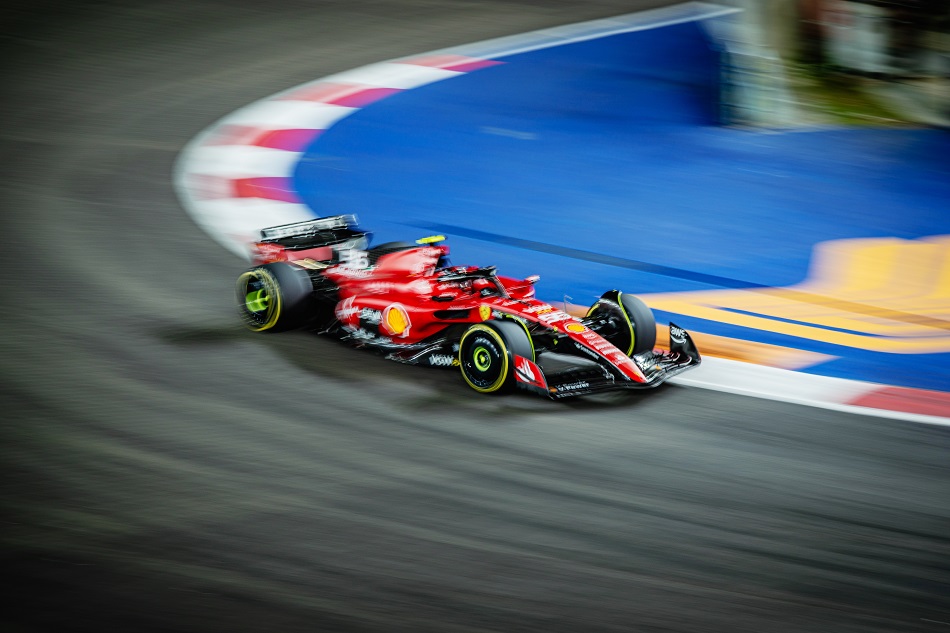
165, 471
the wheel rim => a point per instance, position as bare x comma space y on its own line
483, 357
257, 301
259, 298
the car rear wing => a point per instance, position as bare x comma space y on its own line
309, 227
329, 231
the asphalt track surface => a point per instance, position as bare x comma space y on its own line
163, 470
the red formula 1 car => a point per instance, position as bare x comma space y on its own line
407, 302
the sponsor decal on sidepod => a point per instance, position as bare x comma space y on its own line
443, 360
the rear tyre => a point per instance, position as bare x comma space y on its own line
625, 321
275, 297
487, 354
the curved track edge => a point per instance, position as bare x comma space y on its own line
236, 178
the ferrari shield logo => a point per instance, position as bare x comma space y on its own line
484, 311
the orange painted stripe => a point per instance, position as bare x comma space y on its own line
746, 351
732, 348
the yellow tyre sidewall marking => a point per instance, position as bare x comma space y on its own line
272, 290
528, 333
626, 317
503, 376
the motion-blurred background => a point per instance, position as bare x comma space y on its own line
164, 470
854, 62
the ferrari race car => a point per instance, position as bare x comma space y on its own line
406, 301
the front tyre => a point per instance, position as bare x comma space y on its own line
625, 321
274, 297
487, 354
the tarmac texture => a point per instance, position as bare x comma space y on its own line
165, 470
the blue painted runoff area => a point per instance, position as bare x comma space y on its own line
600, 164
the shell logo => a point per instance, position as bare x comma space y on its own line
577, 328
396, 321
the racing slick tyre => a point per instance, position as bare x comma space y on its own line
275, 297
625, 321
487, 354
